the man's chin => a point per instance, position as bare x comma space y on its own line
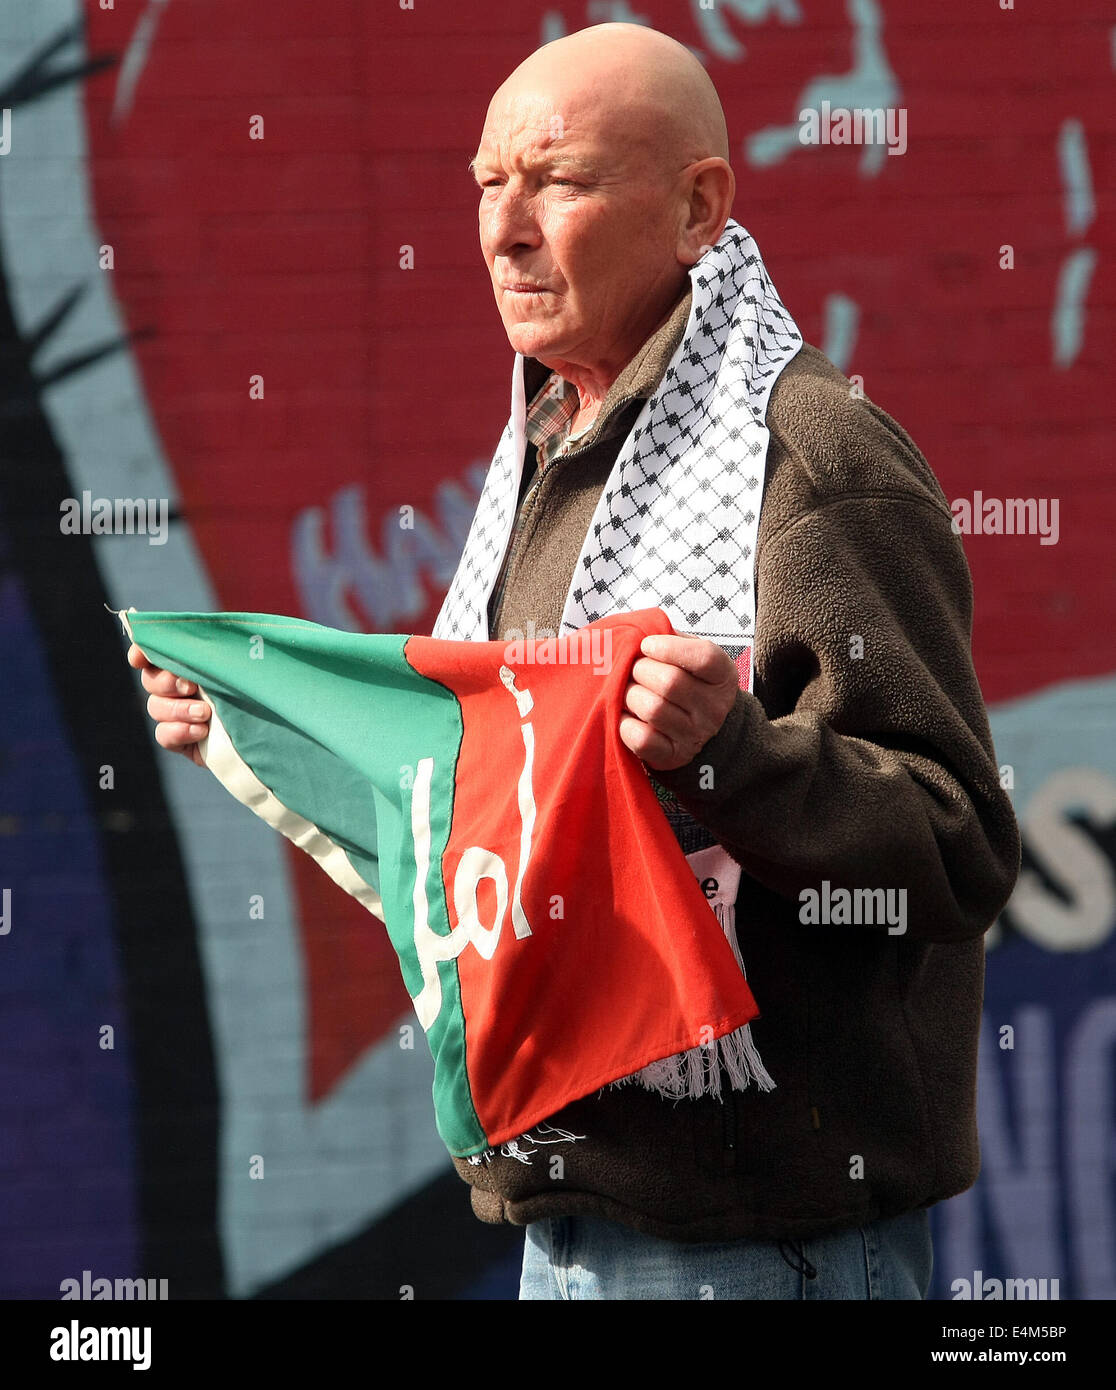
532, 334
534, 340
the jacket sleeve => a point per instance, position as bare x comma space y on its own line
864, 757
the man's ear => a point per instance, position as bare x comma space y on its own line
709, 190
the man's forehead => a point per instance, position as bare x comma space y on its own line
533, 128
552, 139
552, 155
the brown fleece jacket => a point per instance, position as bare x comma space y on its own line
864, 758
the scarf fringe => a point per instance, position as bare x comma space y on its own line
690, 1075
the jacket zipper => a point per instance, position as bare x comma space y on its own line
729, 1126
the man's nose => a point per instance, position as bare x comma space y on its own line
507, 221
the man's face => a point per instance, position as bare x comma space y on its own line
578, 229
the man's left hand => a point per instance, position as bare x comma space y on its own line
680, 692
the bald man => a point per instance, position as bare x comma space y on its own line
842, 743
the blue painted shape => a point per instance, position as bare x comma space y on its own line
1045, 1203
67, 1180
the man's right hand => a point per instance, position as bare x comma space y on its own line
180, 722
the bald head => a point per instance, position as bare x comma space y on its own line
628, 83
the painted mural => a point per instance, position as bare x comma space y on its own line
240, 283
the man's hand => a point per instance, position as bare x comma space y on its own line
680, 692
180, 724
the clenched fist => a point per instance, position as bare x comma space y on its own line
681, 690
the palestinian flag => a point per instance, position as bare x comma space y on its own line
476, 796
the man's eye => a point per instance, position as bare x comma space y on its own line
498, 183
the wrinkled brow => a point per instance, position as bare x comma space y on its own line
550, 161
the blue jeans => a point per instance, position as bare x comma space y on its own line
586, 1257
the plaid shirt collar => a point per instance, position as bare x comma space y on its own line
549, 415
